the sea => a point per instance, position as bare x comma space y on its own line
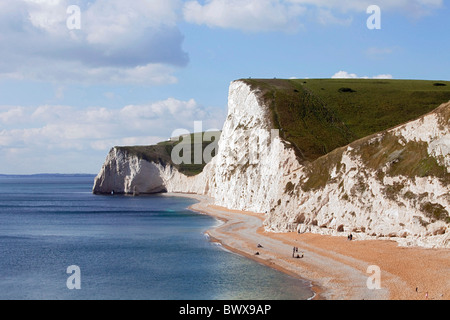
58, 241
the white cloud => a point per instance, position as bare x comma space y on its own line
59, 124
119, 41
420, 6
383, 76
326, 17
56, 132
11, 114
344, 75
111, 20
347, 75
289, 15
78, 72
150, 73
249, 15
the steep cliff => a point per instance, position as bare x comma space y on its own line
394, 184
151, 169
318, 174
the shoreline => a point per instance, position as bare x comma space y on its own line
202, 207
335, 268
315, 289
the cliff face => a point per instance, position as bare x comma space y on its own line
393, 184
252, 161
125, 173
377, 187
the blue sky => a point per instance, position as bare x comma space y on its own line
136, 71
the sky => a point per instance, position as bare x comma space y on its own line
78, 77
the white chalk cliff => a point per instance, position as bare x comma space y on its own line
255, 170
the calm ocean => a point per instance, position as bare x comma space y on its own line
136, 248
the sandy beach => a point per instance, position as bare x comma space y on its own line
337, 268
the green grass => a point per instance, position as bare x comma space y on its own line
162, 154
435, 211
320, 115
319, 171
410, 159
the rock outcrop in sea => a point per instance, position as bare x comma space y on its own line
372, 188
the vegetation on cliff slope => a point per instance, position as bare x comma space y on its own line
162, 153
320, 118
320, 115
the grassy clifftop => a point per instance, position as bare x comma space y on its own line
161, 153
325, 120
319, 115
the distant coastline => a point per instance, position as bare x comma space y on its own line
37, 175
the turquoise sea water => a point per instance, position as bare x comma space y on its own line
139, 248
